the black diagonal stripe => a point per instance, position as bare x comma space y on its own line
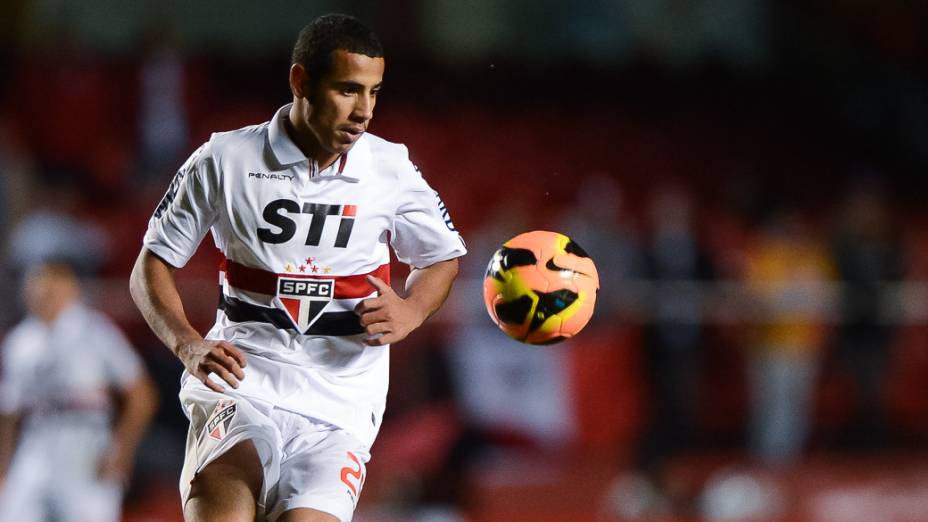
553, 267
573, 248
332, 323
550, 304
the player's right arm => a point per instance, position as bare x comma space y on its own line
187, 211
12, 373
154, 291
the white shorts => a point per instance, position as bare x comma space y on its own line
307, 463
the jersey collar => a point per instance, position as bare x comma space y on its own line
334, 171
287, 153
352, 164
283, 148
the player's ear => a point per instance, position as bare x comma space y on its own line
299, 81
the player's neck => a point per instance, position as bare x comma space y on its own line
308, 144
52, 311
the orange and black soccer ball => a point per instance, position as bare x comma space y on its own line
540, 287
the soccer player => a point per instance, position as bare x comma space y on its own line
286, 393
60, 367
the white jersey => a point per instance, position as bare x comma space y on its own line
66, 369
297, 244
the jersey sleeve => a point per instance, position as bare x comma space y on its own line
122, 365
423, 233
187, 210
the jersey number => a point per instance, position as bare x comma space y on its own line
275, 214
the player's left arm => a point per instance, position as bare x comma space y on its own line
389, 317
139, 402
9, 423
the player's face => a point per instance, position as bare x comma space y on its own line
341, 103
46, 293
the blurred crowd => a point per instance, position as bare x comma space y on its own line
754, 340
762, 300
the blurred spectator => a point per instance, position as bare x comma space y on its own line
492, 372
786, 273
596, 222
868, 255
54, 229
513, 391
72, 456
676, 264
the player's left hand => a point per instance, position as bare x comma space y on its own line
115, 465
387, 318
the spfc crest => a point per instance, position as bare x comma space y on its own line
218, 424
304, 299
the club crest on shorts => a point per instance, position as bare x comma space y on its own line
218, 424
304, 299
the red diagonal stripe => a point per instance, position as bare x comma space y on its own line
264, 282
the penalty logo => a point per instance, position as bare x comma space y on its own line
219, 421
304, 299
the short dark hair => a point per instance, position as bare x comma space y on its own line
314, 45
57, 266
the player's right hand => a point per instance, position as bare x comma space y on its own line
204, 357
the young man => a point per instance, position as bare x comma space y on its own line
60, 366
286, 393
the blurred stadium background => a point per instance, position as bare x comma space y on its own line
749, 176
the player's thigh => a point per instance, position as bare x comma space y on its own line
219, 425
228, 487
307, 515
